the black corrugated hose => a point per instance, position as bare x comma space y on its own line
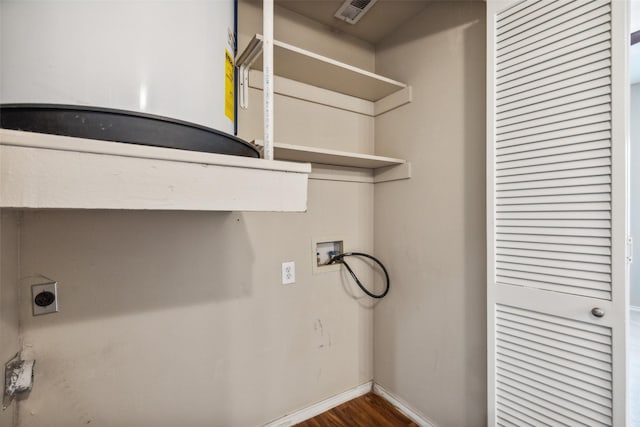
340, 258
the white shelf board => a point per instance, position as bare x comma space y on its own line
299, 153
304, 66
49, 171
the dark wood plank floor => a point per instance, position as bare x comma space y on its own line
369, 410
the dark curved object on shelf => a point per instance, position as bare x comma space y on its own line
121, 126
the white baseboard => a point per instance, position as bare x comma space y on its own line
402, 407
635, 308
320, 407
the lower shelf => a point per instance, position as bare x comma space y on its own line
381, 169
49, 171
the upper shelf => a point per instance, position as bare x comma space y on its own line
299, 64
51, 171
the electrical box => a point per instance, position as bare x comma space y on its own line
323, 249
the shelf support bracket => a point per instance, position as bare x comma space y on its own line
244, 63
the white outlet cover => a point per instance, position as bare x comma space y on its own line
288, 272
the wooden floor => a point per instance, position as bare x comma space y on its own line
369, 410
634, 366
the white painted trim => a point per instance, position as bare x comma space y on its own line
93, 146
634, 308
393, 101
402, 407
339, 173
306, 92
320, 407
620, 268
392, 173
49, 171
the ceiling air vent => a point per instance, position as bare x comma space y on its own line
352, 10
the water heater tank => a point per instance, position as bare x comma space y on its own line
171, 58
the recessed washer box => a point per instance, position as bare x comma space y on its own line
323, 249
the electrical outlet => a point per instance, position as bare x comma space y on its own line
288, 272
44, 298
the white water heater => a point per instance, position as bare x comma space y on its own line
172, 58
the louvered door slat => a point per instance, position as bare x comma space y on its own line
554, 223
555, 166
533, 10
557, 174
587, 43
551, 150
539, 191
561, 248
545, 364
552, 271
564, 410
578, 130
560, 95
554, 286
569, 110
557, 207
557, 264
559, 71
559, 116
541, 277
531, 417
576, 394
554, 255
598, 413
558, 248
546, 69
517, 10
562, 182
515, 96
552, 283
571, 198
566, 55
505, 419
554, 214
532, 29
579, 330
548, 337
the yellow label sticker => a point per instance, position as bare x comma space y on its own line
229, 87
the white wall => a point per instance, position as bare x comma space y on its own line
635, 193
430, 331
9, 330
179, 318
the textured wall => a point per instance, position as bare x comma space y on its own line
430, 333
9, 265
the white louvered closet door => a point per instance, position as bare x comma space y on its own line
557, 212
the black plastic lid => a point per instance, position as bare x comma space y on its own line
121, 126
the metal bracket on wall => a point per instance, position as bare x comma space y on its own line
244, 63
18, 379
